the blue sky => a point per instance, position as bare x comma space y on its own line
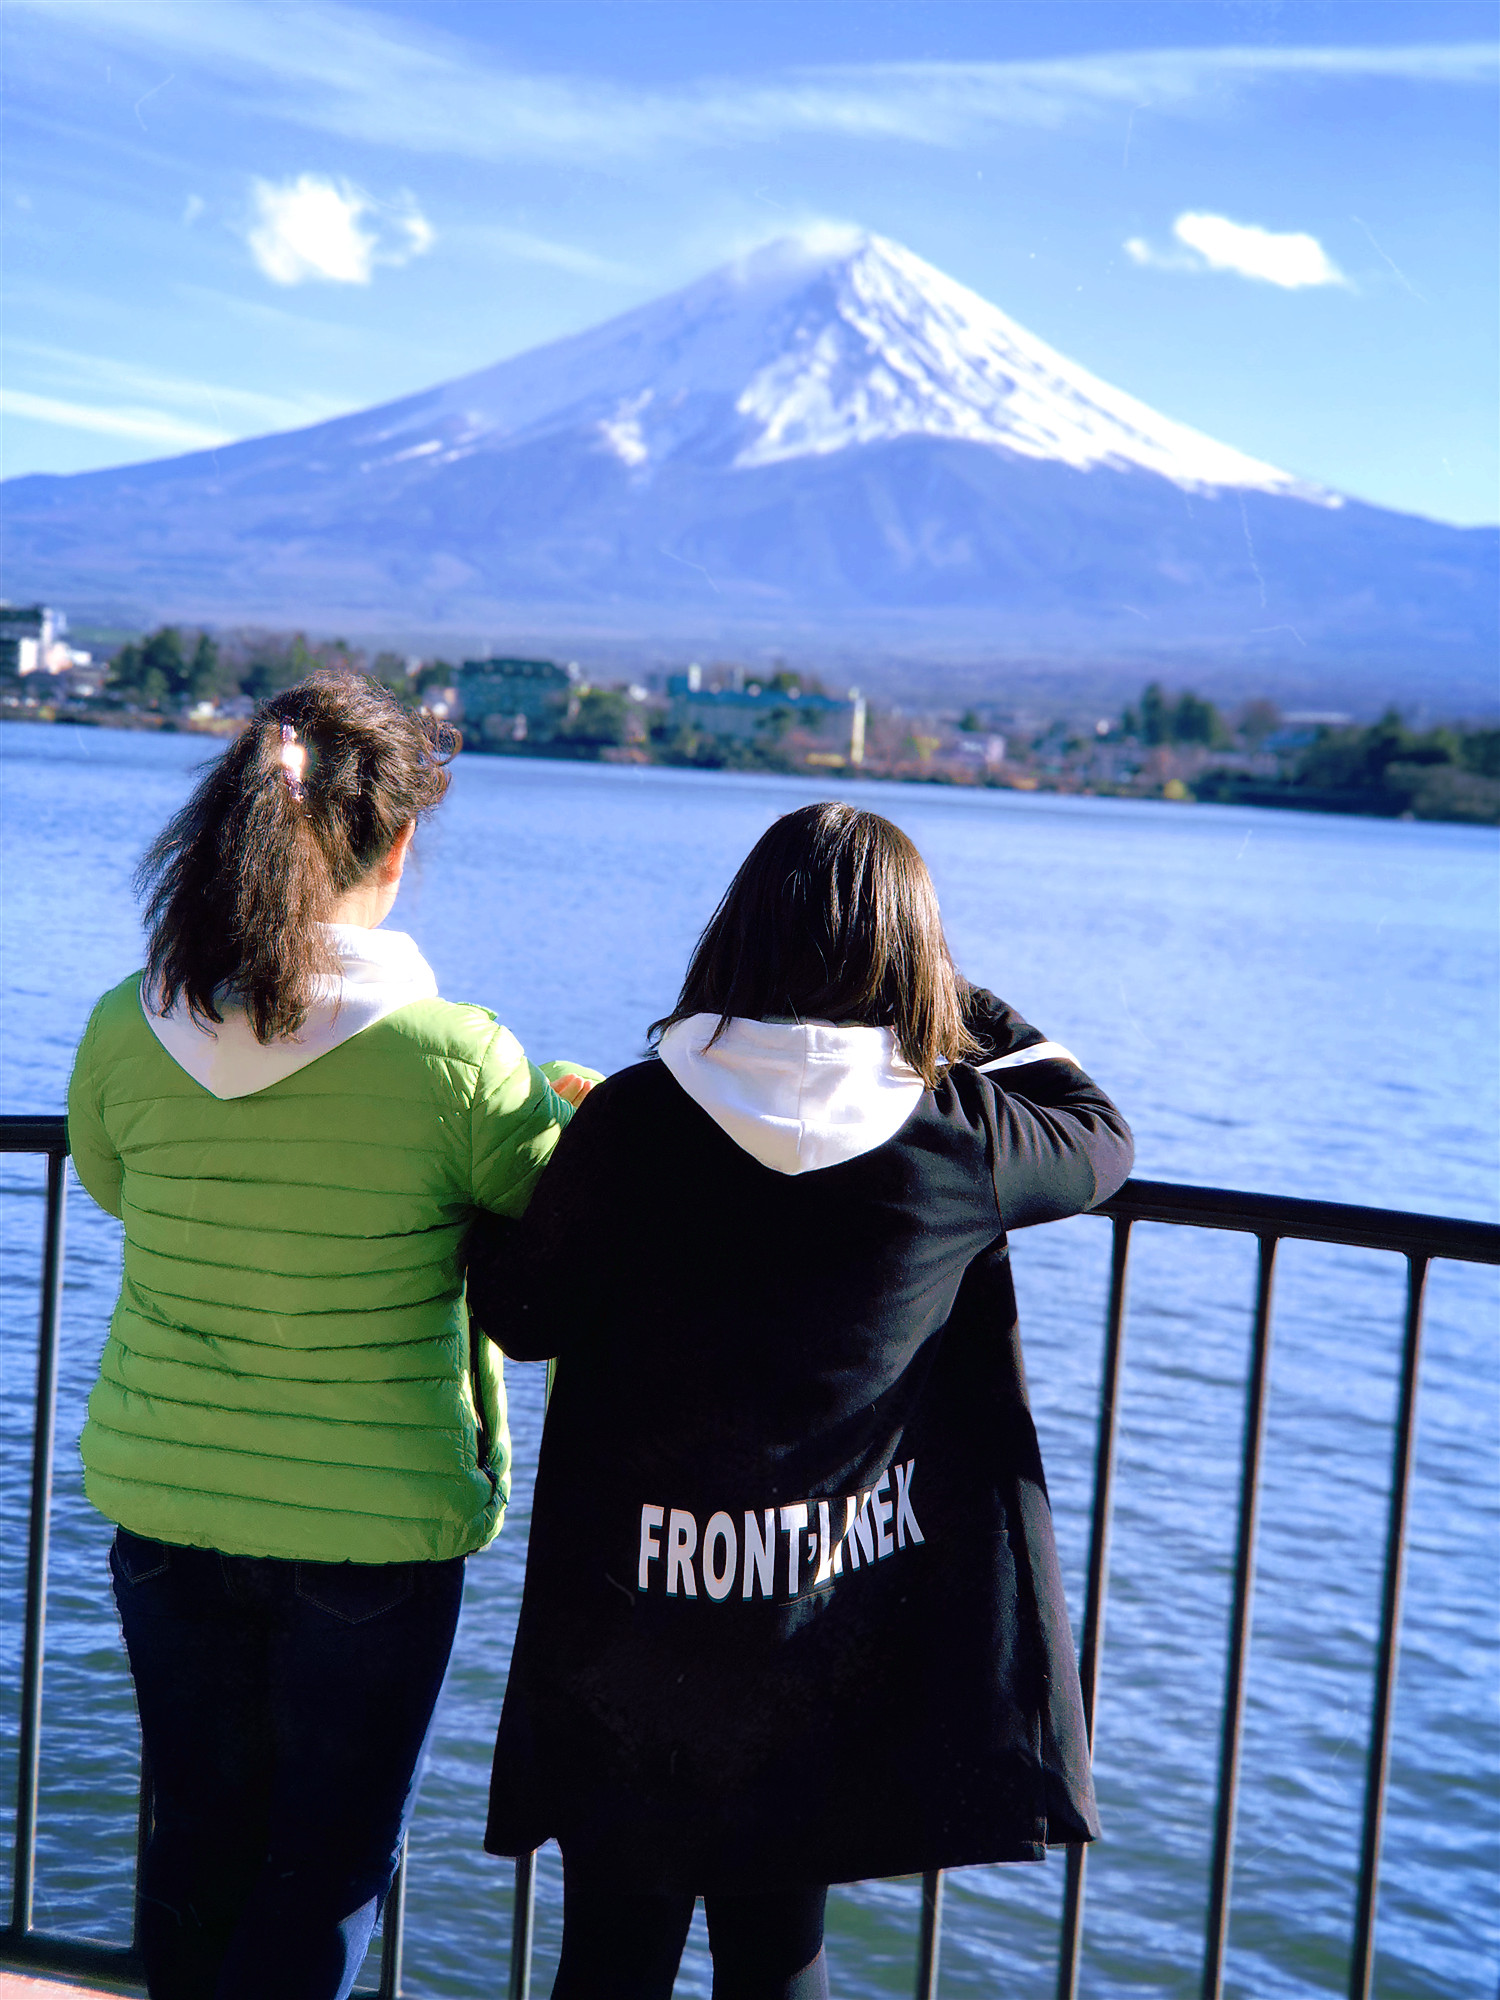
1272, 221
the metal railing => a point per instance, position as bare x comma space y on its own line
1270, 1219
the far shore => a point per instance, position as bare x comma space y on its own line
1222, 790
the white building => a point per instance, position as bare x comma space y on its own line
31, 641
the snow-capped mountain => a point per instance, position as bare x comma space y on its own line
813, 345
826, 440
882, 346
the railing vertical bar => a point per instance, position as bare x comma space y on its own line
1069, 1950
523, 1927
1221, 1870
393, 1935
1362, 1966
930, 1941
24, 1885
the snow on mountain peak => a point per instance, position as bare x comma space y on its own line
806, 347
885, 346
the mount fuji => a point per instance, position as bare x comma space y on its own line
826, 447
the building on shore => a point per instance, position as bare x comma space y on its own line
517, 701
827, 729
32, 642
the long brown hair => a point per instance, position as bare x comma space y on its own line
832, 917
238, 883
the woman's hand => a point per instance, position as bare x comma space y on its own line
572, 1089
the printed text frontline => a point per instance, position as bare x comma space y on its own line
874, 1524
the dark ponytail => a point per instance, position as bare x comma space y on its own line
299, 810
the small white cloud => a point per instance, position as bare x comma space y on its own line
1288, 258
192, 208
420, 235
1291, 258
311, 227
1139, 251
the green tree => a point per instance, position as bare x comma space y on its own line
203, 673
162, 657
783, 681
264, 677
276, 663
1155, 717
602, 717
125, 670
1195, 721
1361, 760
970, 723
153, 671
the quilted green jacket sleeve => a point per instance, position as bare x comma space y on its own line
95, 1160
515, 1117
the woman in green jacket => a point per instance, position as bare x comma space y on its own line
295, 1428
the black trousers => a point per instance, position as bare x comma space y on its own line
284, 1707
628, 1947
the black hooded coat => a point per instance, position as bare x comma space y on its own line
793, 1612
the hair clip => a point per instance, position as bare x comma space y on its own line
293, 760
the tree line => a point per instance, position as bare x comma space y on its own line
176, 665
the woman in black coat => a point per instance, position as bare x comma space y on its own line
792, 1612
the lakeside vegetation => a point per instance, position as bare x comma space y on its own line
1171, 744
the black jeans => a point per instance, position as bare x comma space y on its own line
621, 1947
284, 1711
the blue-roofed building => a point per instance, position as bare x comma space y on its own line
513, 700
820, 728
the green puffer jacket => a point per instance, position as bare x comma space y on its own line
290, 1370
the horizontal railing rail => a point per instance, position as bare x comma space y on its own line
1271, 1219
1307, 1221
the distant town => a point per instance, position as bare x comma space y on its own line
718, 715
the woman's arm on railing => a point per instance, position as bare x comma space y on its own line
1060, 1145
531, 1282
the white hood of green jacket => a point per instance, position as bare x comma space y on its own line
379, 971
800, 1095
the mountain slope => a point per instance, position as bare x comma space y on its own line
827, 440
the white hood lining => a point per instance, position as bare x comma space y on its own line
795, 1095
800, 1095
379, 971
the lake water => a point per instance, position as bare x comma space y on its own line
1278, 1001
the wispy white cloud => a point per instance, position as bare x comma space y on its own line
185, 401
527, 248
157, 427
1289, 258
312, 227
349, 72
1140, 250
